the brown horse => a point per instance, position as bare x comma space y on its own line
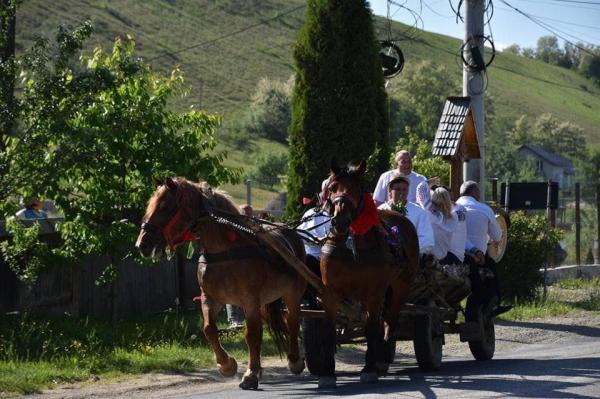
363, 272
233, 268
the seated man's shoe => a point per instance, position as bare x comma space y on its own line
501, 309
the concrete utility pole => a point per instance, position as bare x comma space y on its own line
474, 85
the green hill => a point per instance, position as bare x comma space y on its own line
226, 46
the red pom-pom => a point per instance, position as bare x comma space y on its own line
305, 201
231, 236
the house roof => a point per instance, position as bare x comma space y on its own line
551, 157
455, 124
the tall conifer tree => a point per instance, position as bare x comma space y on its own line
339, 105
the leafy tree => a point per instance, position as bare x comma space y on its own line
269, 169
270, 111
425, 88
564, 138
528, 52
513, 49
589, 65
339, 104
92, 134
548, 50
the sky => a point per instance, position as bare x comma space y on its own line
574, 20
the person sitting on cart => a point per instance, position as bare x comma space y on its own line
481, 227
397, 201
444, 221
315, 226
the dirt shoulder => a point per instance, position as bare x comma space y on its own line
509, 336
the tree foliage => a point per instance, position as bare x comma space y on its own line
423, 162
424, 89
91, 135
530, 243
339, 104
270, 111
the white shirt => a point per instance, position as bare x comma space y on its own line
420, 219
481, 223
380, 193
319, 232
442, 232
459, 242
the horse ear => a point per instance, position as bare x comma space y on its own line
362, 167
170, 183
335, 169
156, 181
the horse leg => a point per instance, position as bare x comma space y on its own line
227, 365
292, 300
374, 335
253, 336
327, 375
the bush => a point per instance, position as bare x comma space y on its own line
530, 243
269, 168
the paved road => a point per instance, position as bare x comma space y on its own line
536, 371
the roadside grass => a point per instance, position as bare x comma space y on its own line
41, 353
564, 297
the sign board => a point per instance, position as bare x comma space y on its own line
530, 195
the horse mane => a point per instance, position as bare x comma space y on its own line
217, 198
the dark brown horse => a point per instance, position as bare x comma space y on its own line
365, 271
234, 268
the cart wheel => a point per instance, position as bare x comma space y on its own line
481, 349
313, 348
427, 344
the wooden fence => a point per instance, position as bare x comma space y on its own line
137, 290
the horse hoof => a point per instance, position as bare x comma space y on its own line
297, 366
326, 382
382, 368
368, 377
229, 369
250, 379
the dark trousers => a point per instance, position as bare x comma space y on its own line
483, 289
310, 295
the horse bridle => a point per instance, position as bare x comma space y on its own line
345, 199
182, 210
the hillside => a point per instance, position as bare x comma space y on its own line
225, 47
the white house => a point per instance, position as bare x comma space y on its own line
550, 165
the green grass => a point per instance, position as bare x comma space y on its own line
223, 73
564, 297
42, 353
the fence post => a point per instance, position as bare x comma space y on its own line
249, 192
494, 181
597, 242
506, 195
577, 226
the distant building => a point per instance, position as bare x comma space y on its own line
548, 164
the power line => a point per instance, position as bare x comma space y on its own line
546, 27
237, 32
558, 4
558, 20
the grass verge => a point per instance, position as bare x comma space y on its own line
37, 353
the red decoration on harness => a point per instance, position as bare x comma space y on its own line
367, 218
231, 236
306, 201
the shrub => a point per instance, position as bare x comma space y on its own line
269, 168
530, 243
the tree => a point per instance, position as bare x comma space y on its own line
589, 65
423, 161
548, 50
93, 133
512, 49
563, 138
339, 103
425, 88
270, 110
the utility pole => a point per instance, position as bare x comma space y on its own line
474, 84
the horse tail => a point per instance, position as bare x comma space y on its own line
277, 325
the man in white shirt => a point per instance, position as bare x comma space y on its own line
398, 188
404, 162
481, 227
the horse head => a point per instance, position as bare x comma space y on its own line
170, 215
345, 195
